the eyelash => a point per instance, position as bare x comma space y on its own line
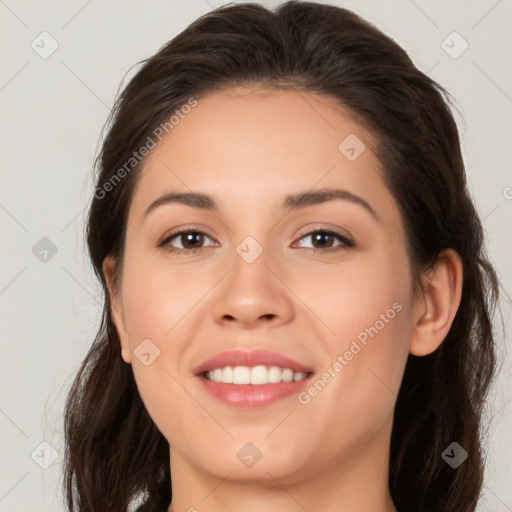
346, 243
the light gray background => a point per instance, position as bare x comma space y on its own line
52, 112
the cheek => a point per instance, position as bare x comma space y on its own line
160, 304
368, 309
158, 299
360, 297
155, 309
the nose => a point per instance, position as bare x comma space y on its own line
253, 294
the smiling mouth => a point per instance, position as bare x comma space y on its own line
256, 375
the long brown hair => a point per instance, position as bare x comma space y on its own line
114, 452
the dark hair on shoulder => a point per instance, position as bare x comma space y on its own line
114, 451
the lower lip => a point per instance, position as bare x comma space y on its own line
252, 396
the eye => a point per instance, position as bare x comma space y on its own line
323, 239
190, 241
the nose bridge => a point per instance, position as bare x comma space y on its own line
250, 267
252, 235
257, 249
251, 291
250, 250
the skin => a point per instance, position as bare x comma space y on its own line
248, 149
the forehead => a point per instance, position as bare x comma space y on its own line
249, 146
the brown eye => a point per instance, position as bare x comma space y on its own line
325, 241
188, 241
322, 239
191, 240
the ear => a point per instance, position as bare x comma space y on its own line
436, 307
115, 308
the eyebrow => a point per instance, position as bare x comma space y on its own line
291, 202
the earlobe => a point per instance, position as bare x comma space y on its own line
437, 306
115, 310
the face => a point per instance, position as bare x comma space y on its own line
323, 282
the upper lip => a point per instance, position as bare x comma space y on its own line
250, 358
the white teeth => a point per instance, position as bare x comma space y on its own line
287, 375
259, 375
227, 375
256, 375
241, 375
274, 374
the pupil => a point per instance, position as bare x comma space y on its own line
319, 237
190, 237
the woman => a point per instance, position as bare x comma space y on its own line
298, 304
